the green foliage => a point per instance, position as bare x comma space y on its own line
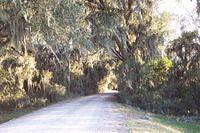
155, 72
46, 39
46, 51
13, 71
163, 86
183, 83
23, 85
185, 127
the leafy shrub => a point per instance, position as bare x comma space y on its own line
162, 86
155, 72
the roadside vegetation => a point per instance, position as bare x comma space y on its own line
55, 49
182, 126
6, 116
138, 120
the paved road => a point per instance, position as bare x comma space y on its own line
90, 114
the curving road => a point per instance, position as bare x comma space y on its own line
90, 114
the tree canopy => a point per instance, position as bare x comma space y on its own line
51, 49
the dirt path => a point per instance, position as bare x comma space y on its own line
96, 113
91, 114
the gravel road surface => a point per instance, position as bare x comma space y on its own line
90, 114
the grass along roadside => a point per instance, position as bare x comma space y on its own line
138, 121
185, 127
6, 116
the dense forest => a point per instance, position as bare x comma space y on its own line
54, 49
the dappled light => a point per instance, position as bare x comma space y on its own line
98, 54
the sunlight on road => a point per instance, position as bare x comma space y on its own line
96, 113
